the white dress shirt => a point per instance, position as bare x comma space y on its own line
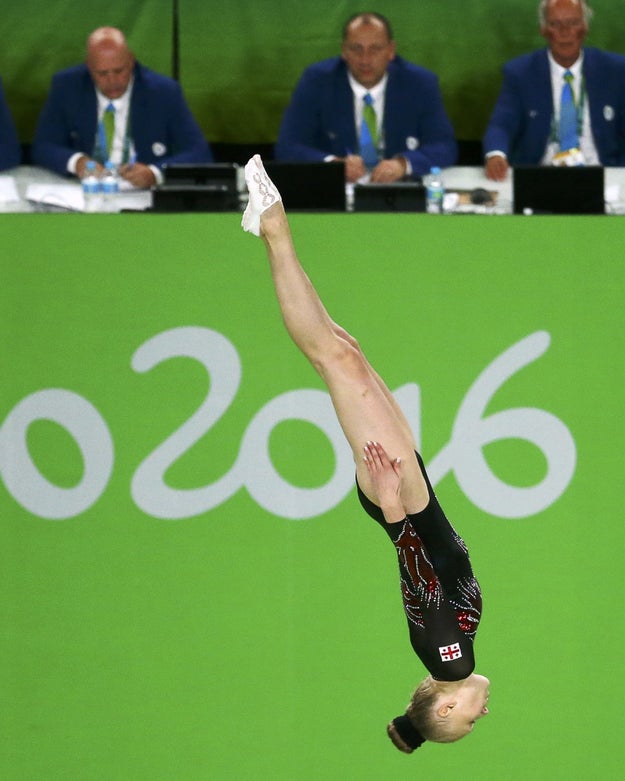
377, 93
122, 110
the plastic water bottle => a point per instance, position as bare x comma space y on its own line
110, 186
435, 191
91, 188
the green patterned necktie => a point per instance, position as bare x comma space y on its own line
368, 113
369, 133
109, 127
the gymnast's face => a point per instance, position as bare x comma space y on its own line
471, 703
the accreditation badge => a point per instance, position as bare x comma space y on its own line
571, 157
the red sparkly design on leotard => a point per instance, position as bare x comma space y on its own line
421, 588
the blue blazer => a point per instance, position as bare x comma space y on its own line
520, 124
10, 151
319, 121
161, 124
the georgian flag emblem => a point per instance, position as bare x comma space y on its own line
450, 652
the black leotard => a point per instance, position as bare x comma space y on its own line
442, 598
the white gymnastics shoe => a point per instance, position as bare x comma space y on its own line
263, 194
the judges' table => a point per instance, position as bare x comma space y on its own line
33, 189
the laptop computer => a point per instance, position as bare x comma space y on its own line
316, 187
396, 197
558, 190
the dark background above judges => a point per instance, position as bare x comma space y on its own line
238, 62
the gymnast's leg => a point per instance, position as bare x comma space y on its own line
364, 406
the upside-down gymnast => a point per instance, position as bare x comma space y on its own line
441, 597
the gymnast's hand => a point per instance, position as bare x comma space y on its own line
386, 478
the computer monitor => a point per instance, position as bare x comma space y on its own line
558, 190
200, 175
318, 187
395, 197
191, 198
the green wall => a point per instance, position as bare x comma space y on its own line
223, 609
239, 61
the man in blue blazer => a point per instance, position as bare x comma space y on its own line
326, 111
10, 152
523, 128
151, 126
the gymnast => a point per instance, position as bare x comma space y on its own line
441, 597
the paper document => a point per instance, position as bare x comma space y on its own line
8, 189
63, 196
